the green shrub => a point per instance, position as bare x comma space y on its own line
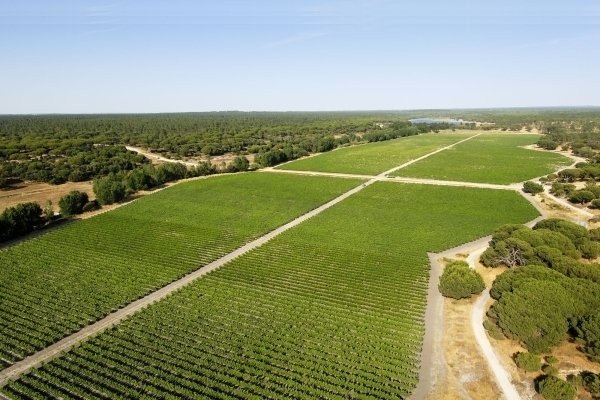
550, 370
553, 388
458, 281
110, 189
547, 143
532, 187
527, 361
581, 197
72, 203
493, 330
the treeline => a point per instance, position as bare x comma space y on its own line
552, 120
188, 134
551, 293
119, 186
403, 129
60, 148
74, 163
113, 188
552, 290
20, 220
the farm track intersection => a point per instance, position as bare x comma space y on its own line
101, 325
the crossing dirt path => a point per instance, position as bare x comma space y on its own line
432, 356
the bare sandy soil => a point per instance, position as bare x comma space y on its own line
41, 193
218, 161
466, 375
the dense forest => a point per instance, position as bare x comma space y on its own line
60, 148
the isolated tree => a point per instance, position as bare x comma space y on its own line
238, 164
458, 281
532, 187
72, 203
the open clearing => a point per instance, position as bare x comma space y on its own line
489, 158
58, 282
374, 158
331, 308
41, 193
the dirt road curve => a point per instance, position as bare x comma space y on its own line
153, 156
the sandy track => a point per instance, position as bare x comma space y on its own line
396, 179
156, 157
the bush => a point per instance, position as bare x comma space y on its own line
591, 383
527, 361
109, 189
553, 388
550, 370
239, 164
91, 206
20, 220
532, 187
547, 143
169, 172
595, 204
72, 203
581, 197
458, 281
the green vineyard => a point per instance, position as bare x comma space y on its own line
57, 283
489, 158
332, 308
374, 158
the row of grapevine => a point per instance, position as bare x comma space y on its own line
489, 158
330, 309
57, 283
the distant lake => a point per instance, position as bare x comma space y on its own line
451, 121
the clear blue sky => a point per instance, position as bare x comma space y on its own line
89, 56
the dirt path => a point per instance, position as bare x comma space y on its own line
432, 360
156, 157
406, 164
397, 179
502, 377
